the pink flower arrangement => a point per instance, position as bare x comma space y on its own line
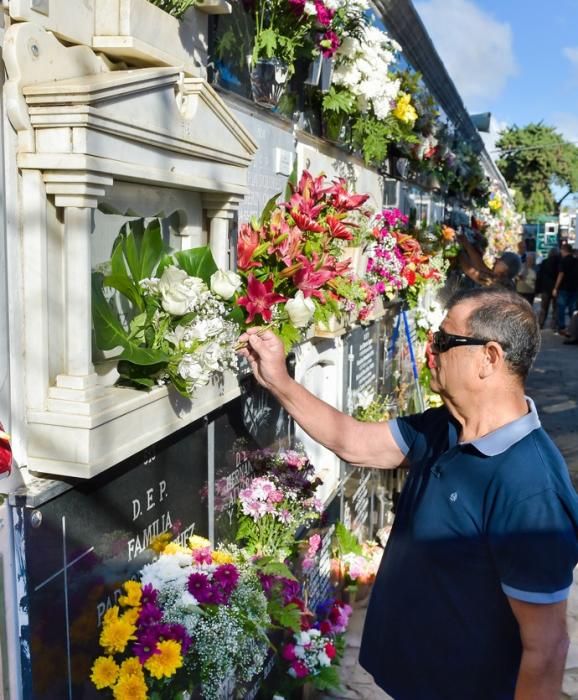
290, 260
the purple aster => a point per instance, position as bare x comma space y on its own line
149, 615
149, 594
200, 587
146, 644
226, 576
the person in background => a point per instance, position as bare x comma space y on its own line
505, 270
545, 281
526, 281
572, 338
566, 287
470, 599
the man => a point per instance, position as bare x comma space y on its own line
469, 602
545, 282
566, 288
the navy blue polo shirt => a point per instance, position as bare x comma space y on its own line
476, 522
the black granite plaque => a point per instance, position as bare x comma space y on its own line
357, 502
77, 549
317, 583
361, 363
253, 421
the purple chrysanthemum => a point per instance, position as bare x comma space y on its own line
149, 615
200, 587
146, 644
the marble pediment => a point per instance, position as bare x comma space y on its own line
146, 124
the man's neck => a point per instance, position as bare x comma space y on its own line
481, 415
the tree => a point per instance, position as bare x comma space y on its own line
533, 158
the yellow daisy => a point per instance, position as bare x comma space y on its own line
131, 615
130, 687
167, 661
104, 672
175, 548
197, 542
404, 110
159, 543
133, 594
222, 557
131, 667
116, 634
110, 615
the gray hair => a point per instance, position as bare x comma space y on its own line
506, 317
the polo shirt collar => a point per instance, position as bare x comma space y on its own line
503, 438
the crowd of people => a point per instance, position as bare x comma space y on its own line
554, 280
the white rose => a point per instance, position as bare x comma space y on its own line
300, 310
225, 283
179, 291
190, 368
324, 660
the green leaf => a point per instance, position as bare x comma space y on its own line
339, 100
142, 356
137, 374
197, 262
288, 616
275, 568
108, 330
134, 231
327, 679
268, 209
266, 41
151, 251
126, 287
346, 540
291, 185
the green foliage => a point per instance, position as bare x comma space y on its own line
327, 678
372, 136
176, 8
535, 157
346, 541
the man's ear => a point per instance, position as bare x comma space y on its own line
493, 359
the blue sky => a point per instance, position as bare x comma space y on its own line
515, 58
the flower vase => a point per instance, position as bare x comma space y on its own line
268, 81
335, 127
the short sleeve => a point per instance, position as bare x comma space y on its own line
535, 548
417, 434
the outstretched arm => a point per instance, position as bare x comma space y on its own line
363, 444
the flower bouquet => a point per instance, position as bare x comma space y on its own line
290, 259
312, 655
172, 322
196, 619
366, 92
271, 513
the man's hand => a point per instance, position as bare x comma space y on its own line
266, 356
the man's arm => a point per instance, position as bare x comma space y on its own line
544, 648
557, 283
363, 444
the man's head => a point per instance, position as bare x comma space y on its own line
502, 339
507, 266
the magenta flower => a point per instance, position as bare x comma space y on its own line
329, 43
324, 14
299, 668
226, 576
146, 644
200, 587
288, 652
260, 299
203, 555
149, 615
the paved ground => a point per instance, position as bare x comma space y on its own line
553, 385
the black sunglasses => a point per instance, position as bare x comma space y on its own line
442, 341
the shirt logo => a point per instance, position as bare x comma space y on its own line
454, 496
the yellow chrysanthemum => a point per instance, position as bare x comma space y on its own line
110, 615
222, 557
131, 667
159, 543
104, 672
116, 634
131, 615
175, 548
167, 661
404, 110
133, 596
130, 687
197, 542
495, 203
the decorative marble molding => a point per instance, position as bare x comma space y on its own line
90, 137
135, 31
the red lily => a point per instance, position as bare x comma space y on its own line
339, 229
342, 200
290, 246
310, 187
313, 275
260, 299
247, 242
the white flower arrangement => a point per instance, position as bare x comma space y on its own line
177, 330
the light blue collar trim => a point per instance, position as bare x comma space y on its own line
503, 438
